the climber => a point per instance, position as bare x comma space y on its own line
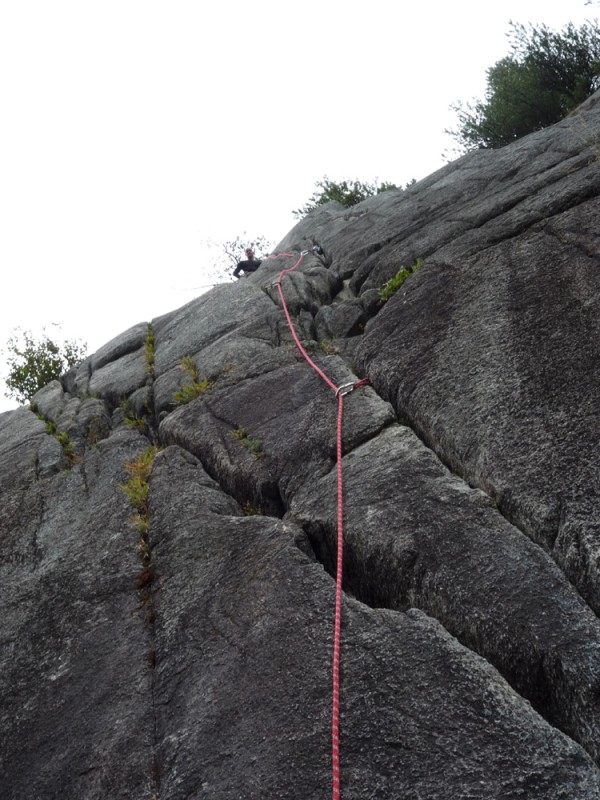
250, 265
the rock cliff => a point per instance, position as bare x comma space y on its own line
168, 515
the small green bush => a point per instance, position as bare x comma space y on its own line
391, 287
196, 388
191, 391
134, 420
150, 349
136, 490
61, 437
142, 466
142, 525
188, 365
136, 487
253, 446
67, 445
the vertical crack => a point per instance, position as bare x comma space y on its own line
137, 489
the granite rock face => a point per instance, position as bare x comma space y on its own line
174, 640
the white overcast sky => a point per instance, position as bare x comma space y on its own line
133, 131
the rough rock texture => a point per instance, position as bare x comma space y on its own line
186, 652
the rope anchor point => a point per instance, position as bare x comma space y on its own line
346, 388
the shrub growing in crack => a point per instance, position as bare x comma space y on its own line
391, 287
192, 391
61, 437
196, 388
254, 446
136, 490
135, 421
150, 349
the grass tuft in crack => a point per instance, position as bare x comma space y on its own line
196, 388
242, 436
136, 490
390, 288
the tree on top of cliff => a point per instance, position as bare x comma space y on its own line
347, 192
546, 75
33, 363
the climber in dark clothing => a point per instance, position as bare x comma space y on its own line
250, 265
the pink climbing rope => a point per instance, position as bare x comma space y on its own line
337, 628
337, 625
291, 324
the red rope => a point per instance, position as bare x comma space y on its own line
335, 711
290, 323
337, 626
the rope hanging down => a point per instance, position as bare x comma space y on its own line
340, 393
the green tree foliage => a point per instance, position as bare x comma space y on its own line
33, 363
348, 193
546, 75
